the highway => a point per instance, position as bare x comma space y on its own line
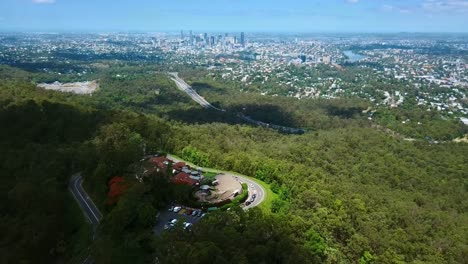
183, 86
254, 187
89, 209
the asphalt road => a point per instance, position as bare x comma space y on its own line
183, 86
254, 187
87, 206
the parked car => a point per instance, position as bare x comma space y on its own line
188, 212
171, 209
203, 214
173, 221
247, 203
187, 225
177, 209
200, 213
254, 196
194, 213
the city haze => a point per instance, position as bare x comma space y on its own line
243, 15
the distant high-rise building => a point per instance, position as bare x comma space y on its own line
303, 58
182, 34
212, 41
242, 39
229, 40
205, 38
191, 37
326, 59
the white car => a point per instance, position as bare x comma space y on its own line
177, 209
187, 225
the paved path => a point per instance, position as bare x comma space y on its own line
254, 187
87, 206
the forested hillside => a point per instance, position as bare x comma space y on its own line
348, 190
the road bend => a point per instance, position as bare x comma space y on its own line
88, 207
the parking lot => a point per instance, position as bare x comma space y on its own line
166, 215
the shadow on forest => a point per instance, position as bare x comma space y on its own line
202, 116
344, 111
46, 122
251, 114
202, 86
267, 113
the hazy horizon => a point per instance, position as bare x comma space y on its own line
298, 16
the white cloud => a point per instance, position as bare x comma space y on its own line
445, 5
43, 1
390, 8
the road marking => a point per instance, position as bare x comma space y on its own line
78, 200
76, 181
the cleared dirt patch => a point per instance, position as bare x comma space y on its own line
227, 185
76, 87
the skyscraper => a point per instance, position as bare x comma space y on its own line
182, 34
212, 41
242, 39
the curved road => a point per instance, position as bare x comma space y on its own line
87, 206
254, 187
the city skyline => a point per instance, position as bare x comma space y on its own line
236, 16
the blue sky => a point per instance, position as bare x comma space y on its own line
236, 15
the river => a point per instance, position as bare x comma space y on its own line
353, 57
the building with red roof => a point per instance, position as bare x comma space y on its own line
184, 178
160, 162
178, 166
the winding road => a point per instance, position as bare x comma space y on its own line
254, 187
89, 209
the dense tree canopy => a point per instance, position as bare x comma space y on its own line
349, 190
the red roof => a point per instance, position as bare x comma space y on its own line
159, 161
178, 165
184, 178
